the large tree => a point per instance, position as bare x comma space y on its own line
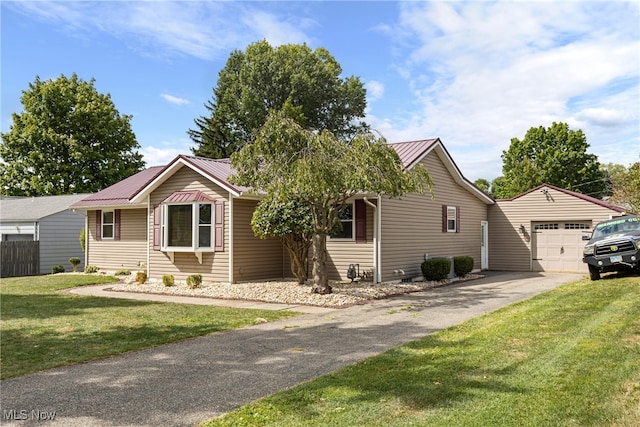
68, 139
305, 82
556, 155
288, 161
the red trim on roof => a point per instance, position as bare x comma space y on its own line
570, 193
188, 196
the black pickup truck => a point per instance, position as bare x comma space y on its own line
614, 245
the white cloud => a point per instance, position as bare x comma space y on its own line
375, 90
201, 29
174, 99
486, 72
162, 153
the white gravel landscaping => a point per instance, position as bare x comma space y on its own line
287, 291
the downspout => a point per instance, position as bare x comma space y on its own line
148, 266
376, 240
230, 210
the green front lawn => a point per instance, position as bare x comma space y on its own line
43, 328
569, 357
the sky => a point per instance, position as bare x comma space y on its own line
475, 74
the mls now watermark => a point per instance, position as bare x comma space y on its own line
24, 415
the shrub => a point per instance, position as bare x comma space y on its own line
90, 269
57, 269
141, 277
74, 261
436, 268
194, 281
462, 265
168, 279
123, 273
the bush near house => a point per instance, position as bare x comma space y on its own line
194, 281
57, 269
168, 279
436, 268
89, 269
462, 265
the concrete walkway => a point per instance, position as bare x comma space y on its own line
185, 383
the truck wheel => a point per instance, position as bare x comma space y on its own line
594, 274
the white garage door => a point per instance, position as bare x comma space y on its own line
557, 246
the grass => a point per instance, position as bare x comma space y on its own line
43, 328
569, 357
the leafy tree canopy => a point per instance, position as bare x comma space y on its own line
306, 83
483, 184
554, 155
287, 161
626, 186
68, 139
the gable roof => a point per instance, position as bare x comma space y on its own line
216, 170
133, 190
413, 152
35, 208
570, 193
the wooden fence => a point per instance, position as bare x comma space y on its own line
19, 258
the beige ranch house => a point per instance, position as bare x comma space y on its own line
186, 218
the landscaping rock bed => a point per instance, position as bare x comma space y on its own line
288, 291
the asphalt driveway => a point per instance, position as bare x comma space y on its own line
185, 383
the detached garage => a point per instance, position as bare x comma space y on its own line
542, 229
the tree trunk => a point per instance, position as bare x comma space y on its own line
320, 273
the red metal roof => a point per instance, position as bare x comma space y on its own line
411, 151
188, 196
120, 192
218, 170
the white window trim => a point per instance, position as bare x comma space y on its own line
455, 214
112, 224
353, 226
195, 228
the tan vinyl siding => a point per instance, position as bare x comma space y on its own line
215, 265
412, 225
509, 247
253, 258
126, 253
342, 252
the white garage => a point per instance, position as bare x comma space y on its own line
542, 229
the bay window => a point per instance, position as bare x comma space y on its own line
187, 227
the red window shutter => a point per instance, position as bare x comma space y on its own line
457, 219
156, 227
361, 221
444, 218
219, 226
116, 225
98, 225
